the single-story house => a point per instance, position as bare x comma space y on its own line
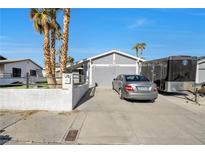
15, 70
200, 73
103, 68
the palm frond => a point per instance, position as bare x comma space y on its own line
134, 47
57, 26
33, 12
144, 44
59, 35
44, 18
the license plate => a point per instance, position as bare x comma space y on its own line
143, 88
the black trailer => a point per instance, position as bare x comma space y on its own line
171, 74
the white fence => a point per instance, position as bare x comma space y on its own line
64, 99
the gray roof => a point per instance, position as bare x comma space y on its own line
18, 60
202, 57
201, 60
2, 57
118, 52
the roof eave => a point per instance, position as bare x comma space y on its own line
115, 51
19, 60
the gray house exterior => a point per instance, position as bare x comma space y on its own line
200, 73
103, 68
15, 70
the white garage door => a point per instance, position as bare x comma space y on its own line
104, 76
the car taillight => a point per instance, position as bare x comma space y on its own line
128, 88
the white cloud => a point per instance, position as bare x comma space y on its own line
2, 37
14, 44
140, 23
21, 51
156, 45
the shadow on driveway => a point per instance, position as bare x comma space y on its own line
88, 95
4, 139
174, 94
180, 95
138, 101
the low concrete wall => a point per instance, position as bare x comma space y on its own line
44, 99
36, 99
78, 92
7, 81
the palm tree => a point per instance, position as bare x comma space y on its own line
138, 46
41, 25
35, 15
59, 53
55, 31
66, 21
142, 47
69, 58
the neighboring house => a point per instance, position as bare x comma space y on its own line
15, 70
200, 73
103, 68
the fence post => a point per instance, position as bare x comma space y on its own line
27, 80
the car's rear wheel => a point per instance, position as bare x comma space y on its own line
120, 93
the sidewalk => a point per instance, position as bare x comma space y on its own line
105, 119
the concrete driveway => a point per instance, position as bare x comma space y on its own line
105, 119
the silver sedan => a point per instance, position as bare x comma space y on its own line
135, 87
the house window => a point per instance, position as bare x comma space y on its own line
16, 72
32, 72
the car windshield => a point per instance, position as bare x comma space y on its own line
133, 78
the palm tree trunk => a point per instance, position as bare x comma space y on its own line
53, 54
59, 55
65, 39
53, 39
141, 53
47, 61
137, 52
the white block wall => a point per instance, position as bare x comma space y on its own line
43, 99
79, 91
36, 99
